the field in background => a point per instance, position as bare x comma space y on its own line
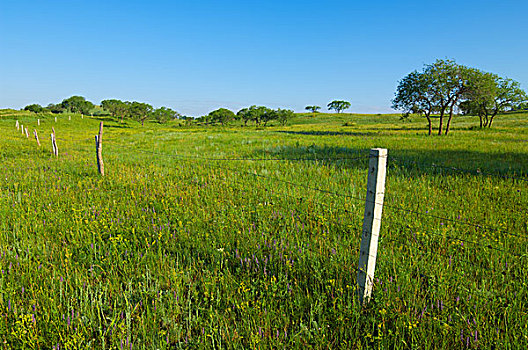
186, 243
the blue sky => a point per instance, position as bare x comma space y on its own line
196, 56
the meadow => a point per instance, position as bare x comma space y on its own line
248, 238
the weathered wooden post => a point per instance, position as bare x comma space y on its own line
22, 128
27, 133
54, 143
38, 121
17, 125
69, 117
99, 149
372, 222
55, 119
36, 137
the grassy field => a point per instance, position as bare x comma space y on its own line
185, 243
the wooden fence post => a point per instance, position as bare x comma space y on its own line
54, 143
22, 128
36, 136
38, 121
99, 149
55, 119
371, 222
17, 125
27, 133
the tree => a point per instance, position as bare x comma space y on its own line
222, 115
440, 88
313, 109
77, 104
490, 95
244, 114
254, 113
283, 115
164, 114
414, 96
508, 95
115, 107
338, 106
35, 108
448, 83
55, 108
140, 111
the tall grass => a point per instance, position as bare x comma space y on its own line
170, 250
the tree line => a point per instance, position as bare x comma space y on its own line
446, 88
139, 111
260, 115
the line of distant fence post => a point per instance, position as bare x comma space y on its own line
371, 223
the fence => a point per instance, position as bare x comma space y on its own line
374, 202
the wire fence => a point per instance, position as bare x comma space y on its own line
224, 164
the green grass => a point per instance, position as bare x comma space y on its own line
172, 251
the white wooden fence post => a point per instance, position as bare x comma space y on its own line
55, 119
54, 143
27, 133
99, 149
22, 128
38, 121
17, 125
371, 222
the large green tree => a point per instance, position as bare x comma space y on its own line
490, 95
222, 115
439, 88
35, 108
139, 111
164, 114
338, 105
414, 96
116, 108
283, 115
77, 104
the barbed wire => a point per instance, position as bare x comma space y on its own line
328, 192
460, 170
194, 157
466, 223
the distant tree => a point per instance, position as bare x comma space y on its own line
245, 114
35, 108
222, 115
257, 114
77, 104
139, 111
116, 108
283, 115
55, 108
313, 109
164, 114
267, 115
339, 106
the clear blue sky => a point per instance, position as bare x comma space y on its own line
196, 56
